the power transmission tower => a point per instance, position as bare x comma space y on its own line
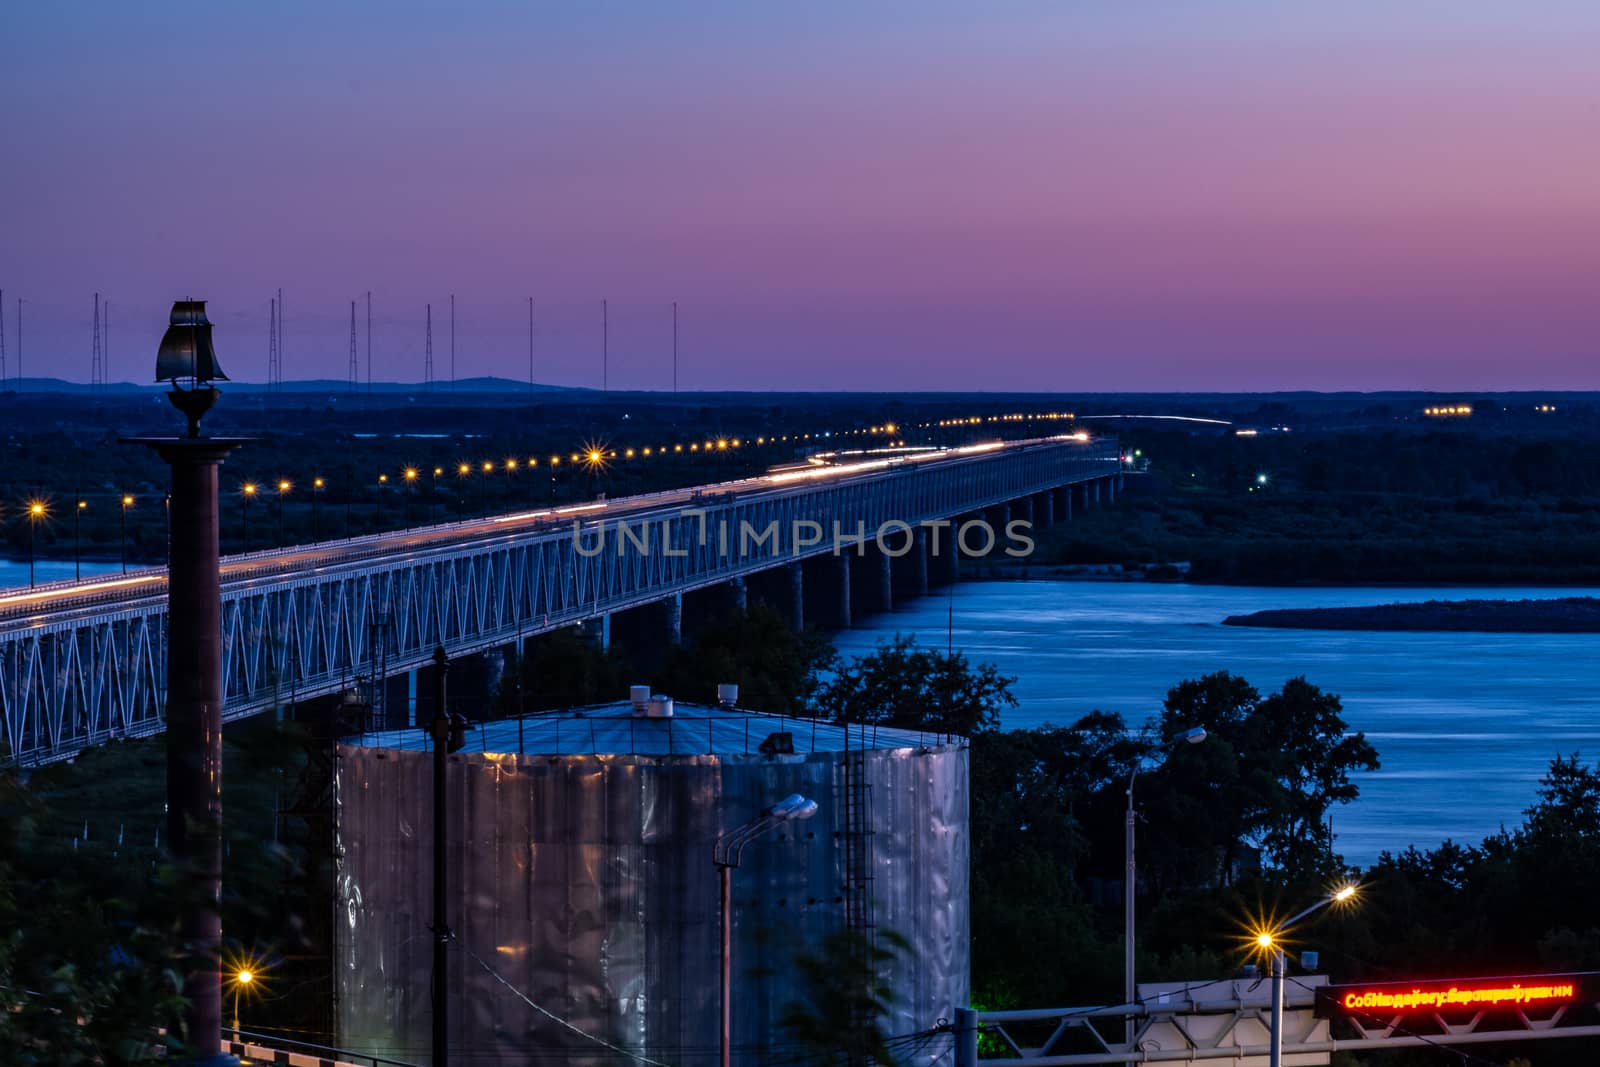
283, 340
452, 342
605, 347
272, 341
530, 344
674, 348
96, 370
2, 340
105, 343
355, 365
369, 340
427, 352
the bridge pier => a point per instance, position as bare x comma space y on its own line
1045, 508
911, 569
782, 589
827, 585
1064, 496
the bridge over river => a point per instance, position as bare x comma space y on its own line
84, 662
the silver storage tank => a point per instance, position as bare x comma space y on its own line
585, 902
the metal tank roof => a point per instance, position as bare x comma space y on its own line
689, 730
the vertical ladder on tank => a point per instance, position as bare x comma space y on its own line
857, 838
380, 634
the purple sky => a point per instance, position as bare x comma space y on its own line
900, 195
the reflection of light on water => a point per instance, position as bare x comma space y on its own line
1464, 723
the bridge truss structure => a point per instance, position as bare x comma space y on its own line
86, 662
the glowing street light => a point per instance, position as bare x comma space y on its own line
284, 486
410, 475
247, 493
127, 502
36, 511
77, 540
461, 490
317, 485
1269, 941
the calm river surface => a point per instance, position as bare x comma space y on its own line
1464, 723
14, 573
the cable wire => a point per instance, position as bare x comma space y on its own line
556, 1018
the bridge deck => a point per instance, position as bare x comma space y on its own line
84, 661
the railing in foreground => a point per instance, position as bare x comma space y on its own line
252, 1048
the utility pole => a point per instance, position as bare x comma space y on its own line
605, 347
674, 348
530, 344
452, 342
2, 340
369, 340
444, 742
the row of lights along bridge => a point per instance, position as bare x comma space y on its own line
592, 461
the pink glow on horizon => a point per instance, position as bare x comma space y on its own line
1065, 197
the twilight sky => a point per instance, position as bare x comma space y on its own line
905, 194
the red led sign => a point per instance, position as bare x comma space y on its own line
1388, 999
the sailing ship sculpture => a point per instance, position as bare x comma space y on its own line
187, 355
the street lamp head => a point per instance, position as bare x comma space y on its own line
411, 474
793, 807
317, 483
1344, 893
249, 488
127, 500
1194, 735
36, 509
245, 977
1264, 939
283, 486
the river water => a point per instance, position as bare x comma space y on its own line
14, 573
1464, 724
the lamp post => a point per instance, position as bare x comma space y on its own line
483, 493
1130, 988
411, 481
283, 491
194, 672
433, 497
240, 980
246, 493
36, 511
127, 502
77, 540
317, 485
1269, 941
725, 854
461, 491
383, 480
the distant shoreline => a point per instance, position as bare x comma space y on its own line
1563, 615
